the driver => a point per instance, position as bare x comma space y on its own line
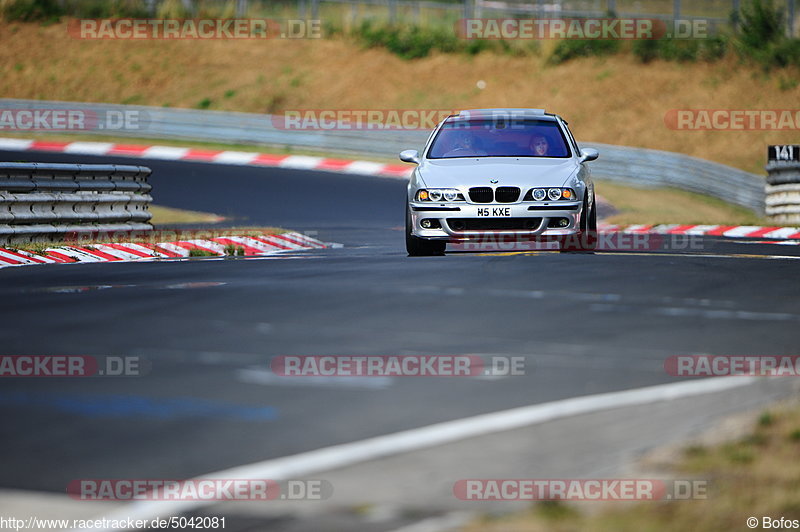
539, 146
464, 146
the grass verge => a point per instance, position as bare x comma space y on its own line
171, 216
671, 206
752, 475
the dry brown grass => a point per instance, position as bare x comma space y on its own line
613, 100
755, 475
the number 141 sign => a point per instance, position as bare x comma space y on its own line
786, 152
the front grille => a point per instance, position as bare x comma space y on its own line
481, 194
506, 194
493, 224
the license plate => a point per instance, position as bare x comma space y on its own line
494, 212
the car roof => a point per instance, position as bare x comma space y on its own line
501, 111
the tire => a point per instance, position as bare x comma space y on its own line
420, 247
586, 238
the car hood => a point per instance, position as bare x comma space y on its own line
507, 171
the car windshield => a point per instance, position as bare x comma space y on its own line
499, 138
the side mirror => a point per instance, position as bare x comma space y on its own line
589, 154
409, 156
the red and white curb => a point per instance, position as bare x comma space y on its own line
252, 246
790, 235
240, 158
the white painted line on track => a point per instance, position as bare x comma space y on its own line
348, 454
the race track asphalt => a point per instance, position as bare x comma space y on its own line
207, 329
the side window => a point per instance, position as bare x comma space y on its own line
572, 140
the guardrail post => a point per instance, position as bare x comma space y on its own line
241, 8
189, 6
790, 21
783, 185
314, 9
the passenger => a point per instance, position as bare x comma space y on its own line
539, 146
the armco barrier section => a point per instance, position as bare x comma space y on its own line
46, 201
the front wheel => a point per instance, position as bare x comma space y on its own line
420, 247
586, 238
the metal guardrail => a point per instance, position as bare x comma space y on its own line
636, 166
656, 168
41, 202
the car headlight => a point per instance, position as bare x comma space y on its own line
553, 194
439, 194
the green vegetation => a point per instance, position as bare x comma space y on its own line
32, 10
204, 104
758, 33
415, 42
762, 37
233, 250
568, 49
53, 10
759, 37
669, 49
197, 252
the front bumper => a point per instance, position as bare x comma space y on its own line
471, 221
